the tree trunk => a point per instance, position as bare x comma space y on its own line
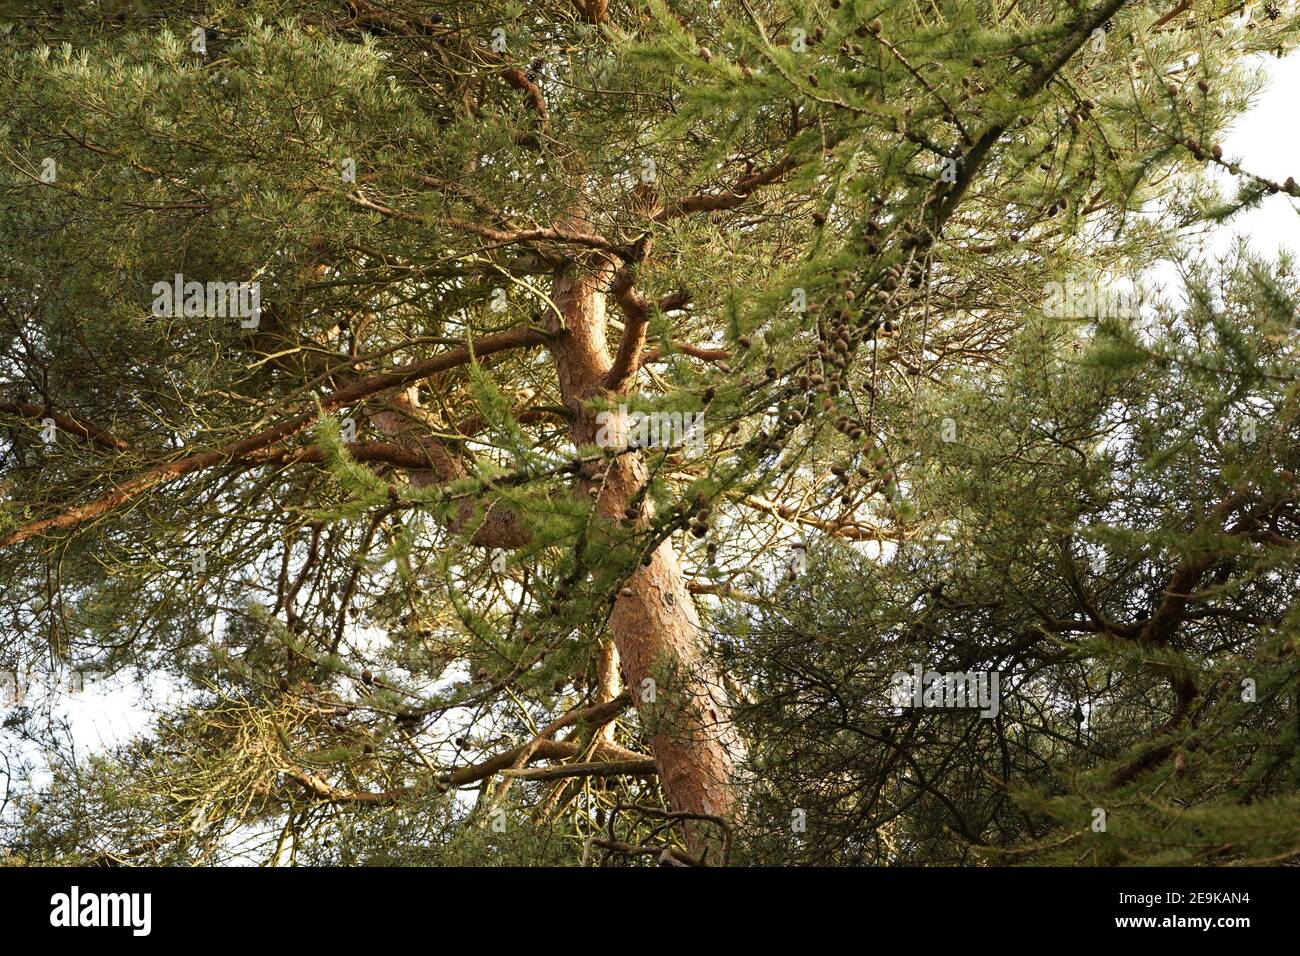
654, 623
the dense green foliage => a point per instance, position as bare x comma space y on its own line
845, 219
1094, 479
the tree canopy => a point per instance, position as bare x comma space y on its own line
537, 433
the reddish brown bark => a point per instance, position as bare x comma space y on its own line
609, 684
654, 623
405, 420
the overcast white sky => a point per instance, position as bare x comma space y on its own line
1266, 141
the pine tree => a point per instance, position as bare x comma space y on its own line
1111, 529
404, 493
